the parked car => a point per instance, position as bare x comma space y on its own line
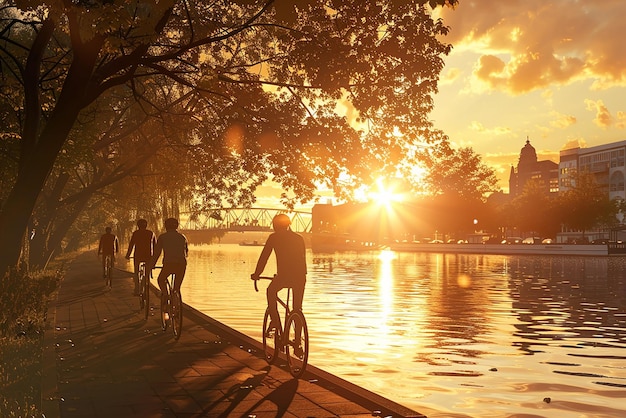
600, 241
547, 241
531, 240
512, 240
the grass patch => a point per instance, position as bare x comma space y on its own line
23, 308
20, 368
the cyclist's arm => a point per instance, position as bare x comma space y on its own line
153, 242
158, 248
131, 244
265, 255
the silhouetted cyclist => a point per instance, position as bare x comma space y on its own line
143, 241
109, 245
290, 266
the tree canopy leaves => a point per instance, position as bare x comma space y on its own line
218, 95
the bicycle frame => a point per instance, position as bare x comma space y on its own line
292, 337
172, 307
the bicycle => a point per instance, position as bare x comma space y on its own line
172, 308
293, 339
108, 266
144, 290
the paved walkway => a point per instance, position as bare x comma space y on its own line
102, 359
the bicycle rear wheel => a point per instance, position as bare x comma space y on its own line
176, 313
165, 307
297, 341
107, 271
271, 340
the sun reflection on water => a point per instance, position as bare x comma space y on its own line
446, 332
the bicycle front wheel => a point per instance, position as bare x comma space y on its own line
297, 340
271, 340
144, 288
176, 313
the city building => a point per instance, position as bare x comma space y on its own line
605, 162
528, 167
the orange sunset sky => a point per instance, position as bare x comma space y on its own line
552, 71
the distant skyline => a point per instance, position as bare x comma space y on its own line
552, 71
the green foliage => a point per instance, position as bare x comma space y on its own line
20, 374
23, 302
23, 299
204, 101
585, 205
460, 174
535, 212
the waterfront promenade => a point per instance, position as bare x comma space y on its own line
102, 359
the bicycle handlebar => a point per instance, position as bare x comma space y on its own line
260, 278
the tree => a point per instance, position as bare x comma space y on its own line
262, 77
462, 173
534, 211
459, 183
585, 205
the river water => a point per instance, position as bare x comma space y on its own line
448, 335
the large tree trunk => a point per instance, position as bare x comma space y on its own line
17, 209
39, 154
46, 215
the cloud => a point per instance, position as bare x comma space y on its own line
603, 118
562, 121
527, 45
621, 120
575, 143
479, 127
450, 76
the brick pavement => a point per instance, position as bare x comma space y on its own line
102, 359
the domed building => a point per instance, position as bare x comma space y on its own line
528, 167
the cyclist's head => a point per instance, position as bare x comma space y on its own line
171, 223
142, 223
107, 229
281, 221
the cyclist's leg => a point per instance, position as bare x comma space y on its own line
136, 262
298, 296
179, 275
272, 302
165, 272
176, 299
298, 293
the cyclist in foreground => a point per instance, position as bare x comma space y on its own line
290, 266
109, 245
175, 248
143, 241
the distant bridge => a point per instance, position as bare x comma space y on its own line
243, 219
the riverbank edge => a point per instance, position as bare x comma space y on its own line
50, 407
322, 378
